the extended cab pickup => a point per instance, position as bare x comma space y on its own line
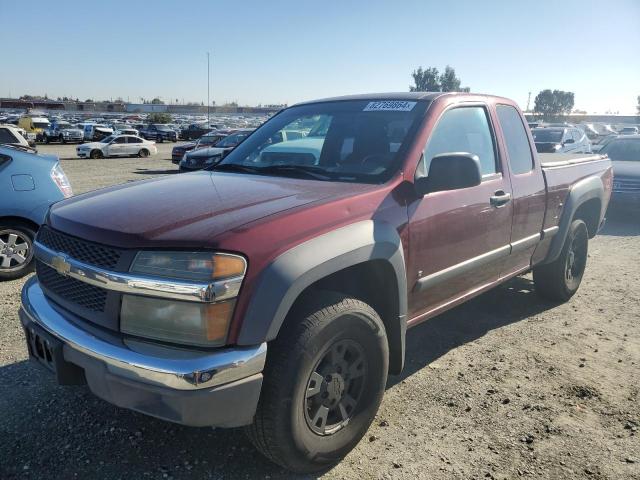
277, 293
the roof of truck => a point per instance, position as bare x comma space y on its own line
411, 96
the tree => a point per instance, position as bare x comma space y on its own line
550, 104
425, 80
430, 80
157, 117
156, 101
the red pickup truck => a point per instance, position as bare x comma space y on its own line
277, 292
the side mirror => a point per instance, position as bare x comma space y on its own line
450, 171
569, 140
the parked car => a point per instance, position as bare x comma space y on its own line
63, 132
159, 133
194, 131
10, 135
589, 130
624, 151
629, 131
207, 140
95, 131
279, 293
602, 142
117, 146
197, 159
30, 184
34, 125
127, 131
561, 140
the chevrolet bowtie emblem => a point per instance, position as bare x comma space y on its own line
61, 265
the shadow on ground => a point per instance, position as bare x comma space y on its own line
47, 431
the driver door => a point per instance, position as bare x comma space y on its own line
117, 147
459, 239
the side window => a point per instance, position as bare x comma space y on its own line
120, 140
134, 140
515, 135
463, 129
7, 137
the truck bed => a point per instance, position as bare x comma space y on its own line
550, 160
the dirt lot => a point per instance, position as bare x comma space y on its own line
506, 386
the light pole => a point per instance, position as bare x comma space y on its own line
208, 102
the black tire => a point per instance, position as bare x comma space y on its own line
11, 235
560, 279
47, 140
61, 138
159, 139
95, 154
300, 422
143, 153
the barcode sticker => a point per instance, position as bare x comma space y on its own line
389, 106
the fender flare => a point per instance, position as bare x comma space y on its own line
288, 275
586, 189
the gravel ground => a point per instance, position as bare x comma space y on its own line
505, 386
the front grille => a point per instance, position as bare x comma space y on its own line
82, 250
626, 185
70, 289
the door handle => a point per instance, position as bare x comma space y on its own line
500, 198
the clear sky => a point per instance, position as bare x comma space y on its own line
284, 51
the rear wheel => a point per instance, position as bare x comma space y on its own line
95, 154
16, 250
560, 279
144, 153
61, 139
323, 383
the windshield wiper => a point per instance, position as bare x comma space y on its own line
308, 170
234, 167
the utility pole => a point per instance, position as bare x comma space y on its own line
208, 102
528, 101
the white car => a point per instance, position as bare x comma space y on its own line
12, 135
116, 146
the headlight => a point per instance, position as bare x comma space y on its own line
193, 323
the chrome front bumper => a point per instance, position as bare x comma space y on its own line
190, 387
153, 364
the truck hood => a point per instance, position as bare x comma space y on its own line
185, 211
207, 152
626, 169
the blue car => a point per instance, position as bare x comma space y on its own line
29, 184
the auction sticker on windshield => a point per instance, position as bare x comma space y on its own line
389, 106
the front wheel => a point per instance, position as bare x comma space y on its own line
323, 383
95, 154
560, 279
16, 250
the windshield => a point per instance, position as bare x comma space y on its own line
547, 135
627, 150
208, 140
40, 125
356, 141
163, 128
107, 139
65, 125
232, 140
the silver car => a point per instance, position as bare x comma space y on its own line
561, 140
